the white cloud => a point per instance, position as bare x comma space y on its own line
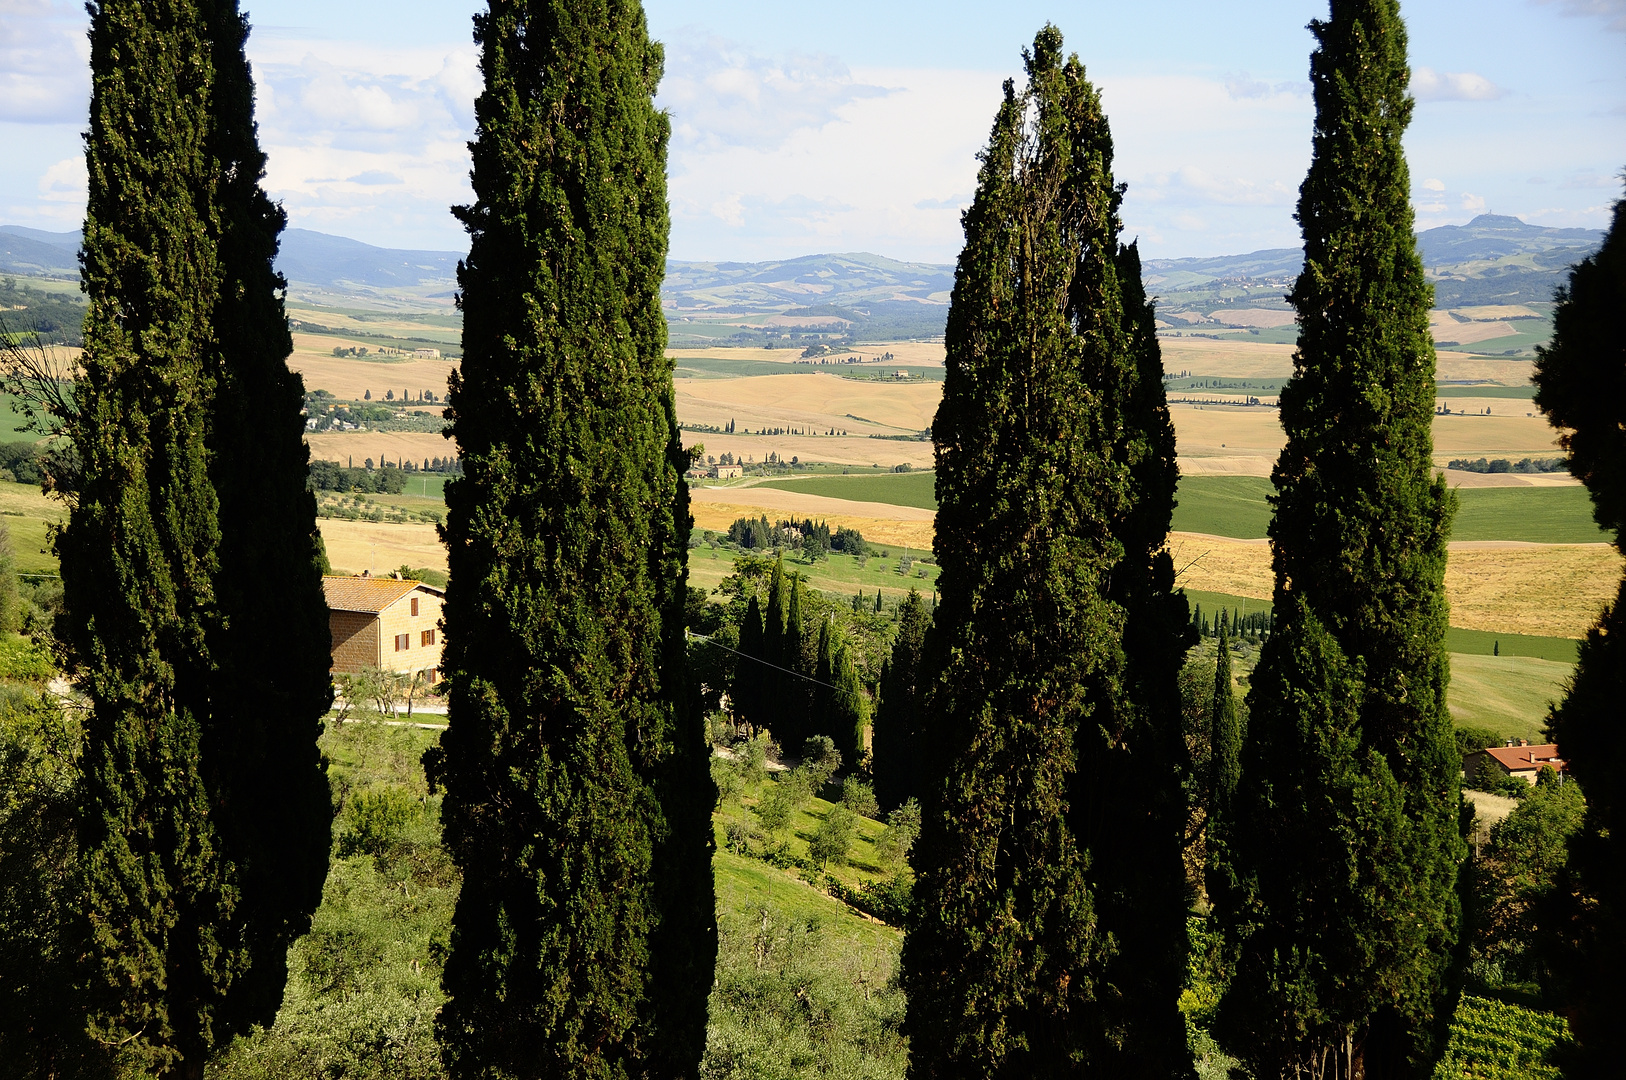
1432, 185
44, 62
1474, 203
1613, 12
65, 182
1430, 85
720, 94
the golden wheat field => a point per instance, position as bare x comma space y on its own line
914, 353
356, 446
349, 377
1548, 590
354, 546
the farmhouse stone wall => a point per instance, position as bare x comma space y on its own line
398, 619
355, 640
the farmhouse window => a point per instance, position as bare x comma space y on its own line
403, 642
427, 638
414, 605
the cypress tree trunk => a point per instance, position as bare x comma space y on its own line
1351, 765
898, 753
577, 791
1581, 380
271, 647
139, 548
1007, 963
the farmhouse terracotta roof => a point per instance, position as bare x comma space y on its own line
1526, 758
368, 594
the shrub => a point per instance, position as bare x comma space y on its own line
833, 839
859, 797
377, 819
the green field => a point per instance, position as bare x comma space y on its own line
915, 489
1508, 694
1446, 390
1235, 506
1484, 642
1547, 515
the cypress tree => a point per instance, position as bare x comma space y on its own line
795, 703
1007, 960
848, 715
897, 749
823, 694
773, 687
1136, 799
1225, 769
1581, 379
270, 647
139, 550
575, 771
1345, 839
748, 669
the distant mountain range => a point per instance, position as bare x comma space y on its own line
1491, 260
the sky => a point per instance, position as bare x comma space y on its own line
844, 126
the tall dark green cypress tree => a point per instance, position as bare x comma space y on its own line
575, 765
1225, 768
748, 667
898, 753
1581, 384
139, 551
1008, 960
848, 715
1134, 802
270, 648
1345, 838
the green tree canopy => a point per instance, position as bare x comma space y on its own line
1345, 842
1581, 385
1008, 965
575, 765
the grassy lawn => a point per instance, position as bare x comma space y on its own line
1223, 506
895, 489
1508, 694
1546, 515
1235, 506
862, 865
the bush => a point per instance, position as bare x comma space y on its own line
1492, 1041
859, 797
834, 837
377, 820
902, 829
820, 761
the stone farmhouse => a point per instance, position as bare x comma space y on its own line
1517, 759
388, 623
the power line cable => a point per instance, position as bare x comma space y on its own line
766, 663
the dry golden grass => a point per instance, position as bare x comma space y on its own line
1456, 366
1497, 311
1552, 590
1231, 359
1549, 590
718, 508
348, 377
1217, 439
834, 450
1252, 317
347, 446
1445, 328
1497, 435
354, 546
903, 352
814, 400
1459, 478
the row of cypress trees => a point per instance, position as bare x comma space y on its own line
796, 680
1049, 931
193, 615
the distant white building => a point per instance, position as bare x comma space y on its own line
726, 472
426, 354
